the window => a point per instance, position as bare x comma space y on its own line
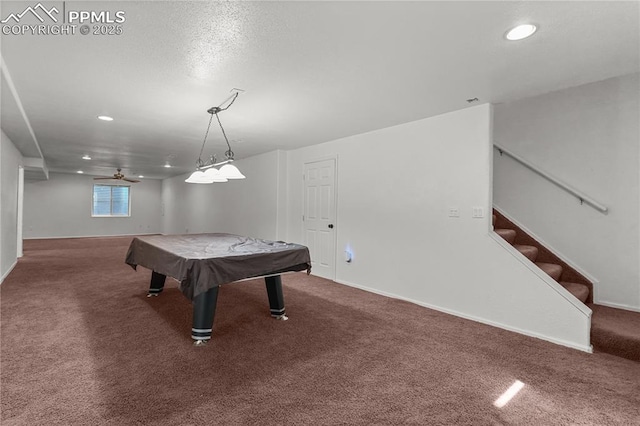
111, 201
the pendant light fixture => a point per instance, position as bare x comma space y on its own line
206, 171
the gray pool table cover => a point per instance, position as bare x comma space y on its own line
203, 261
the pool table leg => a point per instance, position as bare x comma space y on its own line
157, 284
276, 298
204, 309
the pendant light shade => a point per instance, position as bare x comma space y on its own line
198, 177
214, 175
230, 171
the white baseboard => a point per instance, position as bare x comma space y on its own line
90, 236
561, 342
6, 274
617, 306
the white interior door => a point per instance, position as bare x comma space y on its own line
319, 216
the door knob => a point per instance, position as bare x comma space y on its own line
331, 226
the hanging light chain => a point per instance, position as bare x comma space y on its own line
227, 107
229, 153
214, 111
199, 162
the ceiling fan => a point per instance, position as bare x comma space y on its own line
118, 176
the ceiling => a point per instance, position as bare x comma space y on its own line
311, 72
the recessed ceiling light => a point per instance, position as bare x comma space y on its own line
80, 172
520, 32
168, 166
105, 118
86, 157
140, 176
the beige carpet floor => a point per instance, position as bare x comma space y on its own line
82, 345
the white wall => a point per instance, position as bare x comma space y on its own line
394, 189
245, 207
589, 136
61, 207
10, 161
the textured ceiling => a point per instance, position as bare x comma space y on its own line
311, 71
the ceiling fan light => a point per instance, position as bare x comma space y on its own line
214, 175
198, 177
230, 171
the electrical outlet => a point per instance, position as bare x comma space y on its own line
454, 212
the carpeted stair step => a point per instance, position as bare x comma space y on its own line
551, 269
493, 222
544, 255
507, 234
580, 291
530, 252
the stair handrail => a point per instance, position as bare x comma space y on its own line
584, 198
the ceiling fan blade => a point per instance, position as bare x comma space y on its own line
118, 176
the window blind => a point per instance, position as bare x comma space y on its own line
111, 200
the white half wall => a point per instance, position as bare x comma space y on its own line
395, 187
245, 207
10, 161
589, 136
61, 207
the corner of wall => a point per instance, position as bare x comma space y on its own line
282, 187
10, 163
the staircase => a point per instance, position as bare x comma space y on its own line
614, 331
580, 287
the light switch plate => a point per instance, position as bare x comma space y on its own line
454, 212
477, 213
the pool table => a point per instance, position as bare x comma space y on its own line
202, 262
